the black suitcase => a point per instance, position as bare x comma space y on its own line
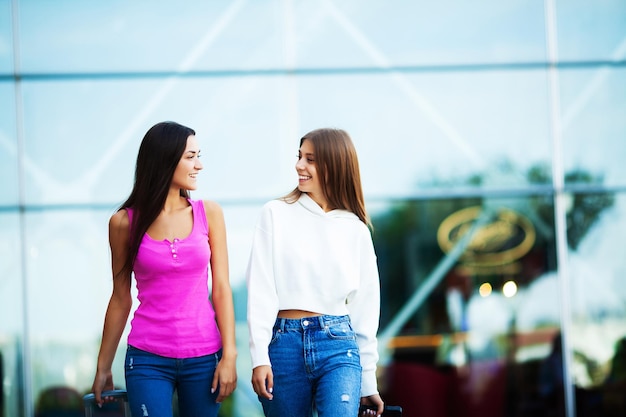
117, 408
390, 411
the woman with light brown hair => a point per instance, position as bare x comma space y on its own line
313, 289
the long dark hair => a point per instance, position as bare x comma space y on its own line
159, 153
337, 164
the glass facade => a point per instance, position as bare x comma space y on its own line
491, 138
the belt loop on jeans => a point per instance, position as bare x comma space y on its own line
281, 324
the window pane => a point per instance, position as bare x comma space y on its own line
70, 36
11, 306
591, 30
423, 129
448, 104
69, 286
8, 146
597, 268
417, 33
594, 126
6, 38
122, 36
430, 130
469, 330
240, 223
85, 151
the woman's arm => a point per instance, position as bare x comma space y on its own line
262, 302
222, 297
364, 310
119, 306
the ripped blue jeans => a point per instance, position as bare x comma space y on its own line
316, 365
151, 380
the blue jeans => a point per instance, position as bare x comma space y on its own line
316, 365
151, 380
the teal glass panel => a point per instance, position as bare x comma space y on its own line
119, 36
225, 35
376, 34
419, 132
13, 322
593, 124
6, 38
591, 31
470, 303
596, 268
69, 284
85, 152
9, 195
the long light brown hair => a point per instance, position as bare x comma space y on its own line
337, 166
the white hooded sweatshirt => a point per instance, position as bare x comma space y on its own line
303, 258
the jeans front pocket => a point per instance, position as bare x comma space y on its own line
340, 330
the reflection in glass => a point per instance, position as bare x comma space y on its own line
8, 146
127, 37
435, 130
480, 335
12, 320
593, 102
98, 152
598, 301
6, 38
580, 35
448, 104
488, 333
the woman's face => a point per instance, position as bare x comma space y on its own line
188, 166
308, 180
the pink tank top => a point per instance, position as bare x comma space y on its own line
175, 317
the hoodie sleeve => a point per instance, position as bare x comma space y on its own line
364, 309
262, 295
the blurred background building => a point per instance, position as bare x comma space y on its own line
492, 143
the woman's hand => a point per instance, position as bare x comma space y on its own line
103, 381
376, 401
225, 377
263, 381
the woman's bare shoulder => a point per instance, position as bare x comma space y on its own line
119, 220
212, 208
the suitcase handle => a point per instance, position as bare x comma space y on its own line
117, 395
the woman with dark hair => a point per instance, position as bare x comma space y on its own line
182, 338
313, 289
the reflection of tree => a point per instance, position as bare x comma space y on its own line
585, 207
614, 400
406, 242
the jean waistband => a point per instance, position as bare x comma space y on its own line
315, 322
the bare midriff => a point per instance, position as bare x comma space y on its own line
296, 314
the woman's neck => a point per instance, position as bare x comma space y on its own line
321, 201
174, 202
